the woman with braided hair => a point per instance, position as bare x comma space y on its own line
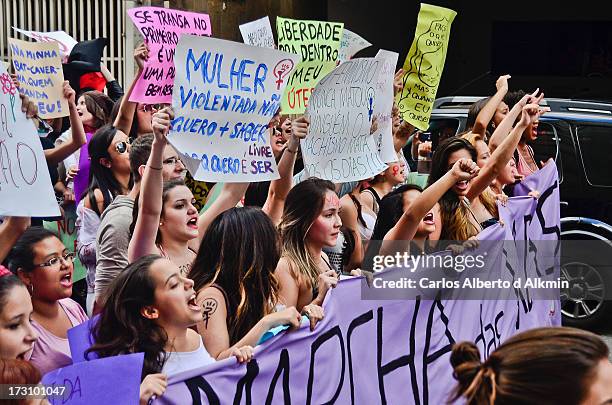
543, 366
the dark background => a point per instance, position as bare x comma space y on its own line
565, 48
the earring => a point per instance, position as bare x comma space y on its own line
31, 289
161, 223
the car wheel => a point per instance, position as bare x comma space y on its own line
583, 303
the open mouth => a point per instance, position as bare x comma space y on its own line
22, 356
66, 280
429, 219
193, 223
462, 185
192, 304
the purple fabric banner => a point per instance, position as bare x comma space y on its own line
386, 351
113, 380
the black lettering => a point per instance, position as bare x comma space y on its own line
335, 331
283, 367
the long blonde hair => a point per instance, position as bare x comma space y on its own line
303, 205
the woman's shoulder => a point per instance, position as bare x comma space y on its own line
73, 309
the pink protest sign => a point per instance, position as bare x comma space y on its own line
161, 29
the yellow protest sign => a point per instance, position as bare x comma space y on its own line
317, 42
39, 71
424, 64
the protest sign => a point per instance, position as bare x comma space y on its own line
383, 137
64, 41
225, 95
80, 338
258, 33
40, 75
408, 341
96, 382
65, 228
424, 64
350, 44
161, 29
339, 146
317, 42
25, 185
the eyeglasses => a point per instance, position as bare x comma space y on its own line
54, 261
122, 147
172, 161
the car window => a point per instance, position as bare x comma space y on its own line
442, 128
546, 146
595, 145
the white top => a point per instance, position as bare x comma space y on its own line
179, 362
366, 231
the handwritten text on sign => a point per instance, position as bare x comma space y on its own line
161, 29
383, 136
424, 64
25, 185
317, 42
350, 44
339, 146
39, 72
65, 41
258, 33
225, 95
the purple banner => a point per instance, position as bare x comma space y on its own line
113, 380
385, 351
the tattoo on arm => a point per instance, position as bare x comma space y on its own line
209, 306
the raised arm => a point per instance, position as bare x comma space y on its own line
280, 188
10, 231
62, 151
150, 207
499, 159
406, 227
127, 109
486, 114
504, 128
112, 85
230, 195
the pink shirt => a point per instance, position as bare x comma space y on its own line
51, 352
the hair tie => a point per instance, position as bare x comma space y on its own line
484, 371
4, 271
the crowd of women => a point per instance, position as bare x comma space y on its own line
189, 288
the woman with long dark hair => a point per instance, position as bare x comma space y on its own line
110, 176
466, 209
45, 266
166, 222
310, 221
234, 278
151, 308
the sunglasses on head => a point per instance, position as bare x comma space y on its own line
122, 147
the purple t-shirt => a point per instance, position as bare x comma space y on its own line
51, 352
81, 180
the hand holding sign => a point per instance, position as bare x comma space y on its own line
153, 385
141, 55
69, 93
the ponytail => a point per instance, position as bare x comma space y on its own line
476, 380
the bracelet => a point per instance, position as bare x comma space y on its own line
154, 168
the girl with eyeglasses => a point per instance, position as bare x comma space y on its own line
44, 265
110, 176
